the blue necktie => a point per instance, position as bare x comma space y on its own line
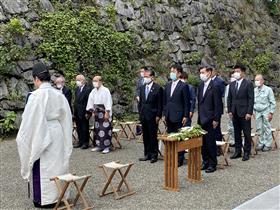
147, 91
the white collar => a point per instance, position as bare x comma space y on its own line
239, 81
45, 85
207, 82
175, 82
150, 85
213, 77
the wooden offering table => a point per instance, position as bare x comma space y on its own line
172, 147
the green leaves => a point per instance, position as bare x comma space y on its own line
10, 51
75, 41
8, 123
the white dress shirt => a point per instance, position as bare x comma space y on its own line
173, 86
206, 86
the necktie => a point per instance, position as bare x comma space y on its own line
147, 91
172, 88
236, 87
204, 89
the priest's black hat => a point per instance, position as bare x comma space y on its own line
41, 71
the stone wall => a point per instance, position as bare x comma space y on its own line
180, 27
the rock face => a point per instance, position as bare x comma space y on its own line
15, 6
182, 28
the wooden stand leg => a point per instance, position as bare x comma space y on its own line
194, 164
171, 166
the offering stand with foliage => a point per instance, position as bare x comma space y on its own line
188, 138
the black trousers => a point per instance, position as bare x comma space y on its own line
209, 147
172, 128
240, 124
218, 132
83, 130
149, 129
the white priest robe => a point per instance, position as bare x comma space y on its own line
45, 136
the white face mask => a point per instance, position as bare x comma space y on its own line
257, 83
59, 86
237, 75
203, 77
78, 83
95, 84
147, 80
232, 79
142, 74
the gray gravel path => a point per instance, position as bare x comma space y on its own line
224, 189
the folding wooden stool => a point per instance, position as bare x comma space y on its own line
224, 145
91, 135
129, 134
68, 179
116, 136
115, 167
254, 137
274, 137
74, 134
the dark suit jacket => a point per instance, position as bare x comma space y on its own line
242, 102
68, 94
221, 87
192, 97
152, 107
220, 84
81, 100
209, 105
177, 106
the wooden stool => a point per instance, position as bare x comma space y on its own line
116, 167
254, 137
224, 146
131, 128
274, 137
140, 137
91, 135
116, 137
68, 179
74, 134
164, 129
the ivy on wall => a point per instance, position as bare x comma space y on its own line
13, 47
75, 41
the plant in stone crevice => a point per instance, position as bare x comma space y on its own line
13, 47
8, 123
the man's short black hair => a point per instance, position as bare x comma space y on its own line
41, 71
144, 67
208, 68
240, 66
178, 67
151, 71
184, 75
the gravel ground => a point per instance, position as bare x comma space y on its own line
225, 189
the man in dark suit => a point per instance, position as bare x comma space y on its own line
220, 83
209, 115
176, 104
184, 78
240, 109
81, 98
150, 111
60, 85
